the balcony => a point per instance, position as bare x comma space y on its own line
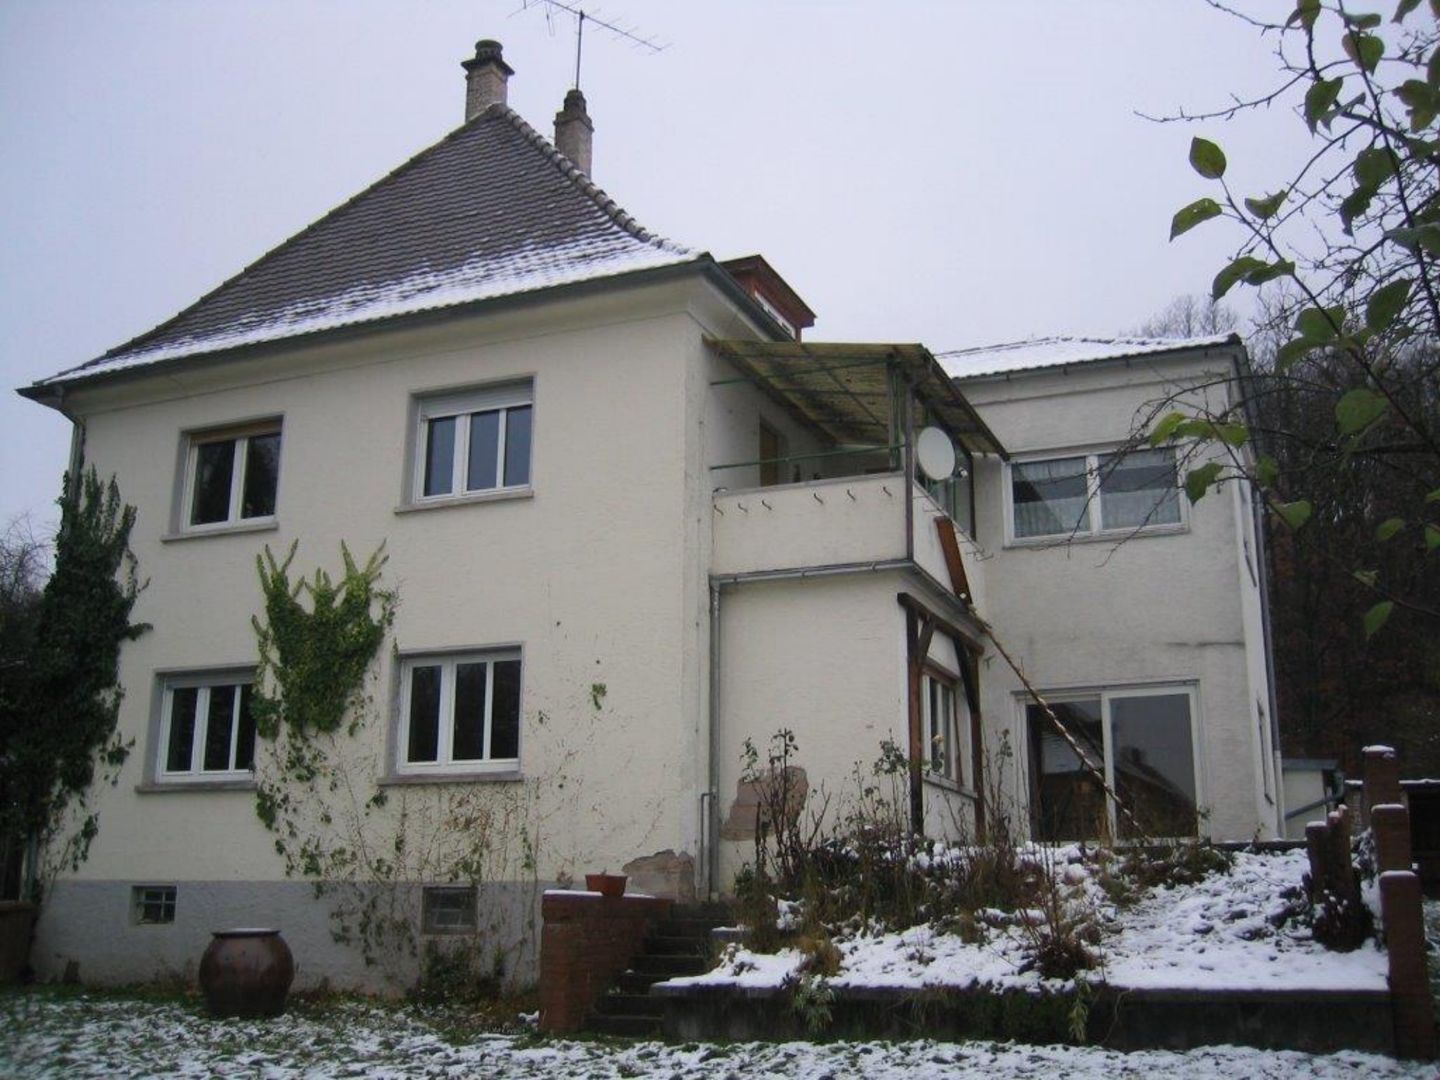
839, 487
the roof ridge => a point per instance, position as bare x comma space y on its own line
572, 172
497, 112
1089, 339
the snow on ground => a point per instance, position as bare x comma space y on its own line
45, 1035
1218, 934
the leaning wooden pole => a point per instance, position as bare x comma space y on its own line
1063, 731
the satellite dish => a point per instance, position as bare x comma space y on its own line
935, 454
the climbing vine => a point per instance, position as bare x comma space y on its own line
369, 848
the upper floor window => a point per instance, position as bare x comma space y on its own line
1094, 493
231, 476
207, 731
459, 713
474, 441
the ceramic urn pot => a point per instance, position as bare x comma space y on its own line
246, 972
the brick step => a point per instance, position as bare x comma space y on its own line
629, 1027
677, 945
716, 914
641, 1004
635, 982
668, 966
690, 927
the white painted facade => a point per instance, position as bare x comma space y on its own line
602, 576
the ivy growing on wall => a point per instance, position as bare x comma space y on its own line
60, 688
320, 789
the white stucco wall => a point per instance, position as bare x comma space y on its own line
823, 657
590, 575
1157, 608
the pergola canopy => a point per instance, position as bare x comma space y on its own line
843, 390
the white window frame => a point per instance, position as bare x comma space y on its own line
444, 764
241, 437
203, 683
1106, 695
954, 729
1096, 530
162, 899
461, 405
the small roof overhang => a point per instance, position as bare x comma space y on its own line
843, 388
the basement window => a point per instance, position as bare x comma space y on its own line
448, 909
153, 905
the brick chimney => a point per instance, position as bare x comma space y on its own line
574, 131
485, 77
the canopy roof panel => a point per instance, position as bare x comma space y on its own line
842, 389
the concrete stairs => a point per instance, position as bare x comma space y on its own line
680, 945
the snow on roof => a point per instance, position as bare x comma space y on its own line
491, 210
1049, 352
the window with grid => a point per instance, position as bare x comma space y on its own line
448, 909
153, 904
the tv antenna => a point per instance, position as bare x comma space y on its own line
625, 33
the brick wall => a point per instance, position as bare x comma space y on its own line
1401, 912
587, 941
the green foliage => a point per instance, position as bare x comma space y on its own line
1187, 217
317, 789
60, 690
1349, 348
812, 999
1207, 159
313, 662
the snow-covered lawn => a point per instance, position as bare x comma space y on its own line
44, 1034
1225, 932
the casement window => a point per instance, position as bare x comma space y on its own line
473, 442
231, 476
447, 909
153, 904
207, 731
1088, 494
459, 713
1142, 742
945, 720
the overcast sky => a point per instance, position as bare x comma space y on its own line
951, 173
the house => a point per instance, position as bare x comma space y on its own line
633, 520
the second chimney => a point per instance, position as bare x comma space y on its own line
485, 77
574, 132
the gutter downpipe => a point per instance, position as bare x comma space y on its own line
710, 815
1244, 378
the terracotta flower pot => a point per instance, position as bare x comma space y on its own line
606, 884
246, 973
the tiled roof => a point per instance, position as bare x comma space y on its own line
1059, 351
491, 210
